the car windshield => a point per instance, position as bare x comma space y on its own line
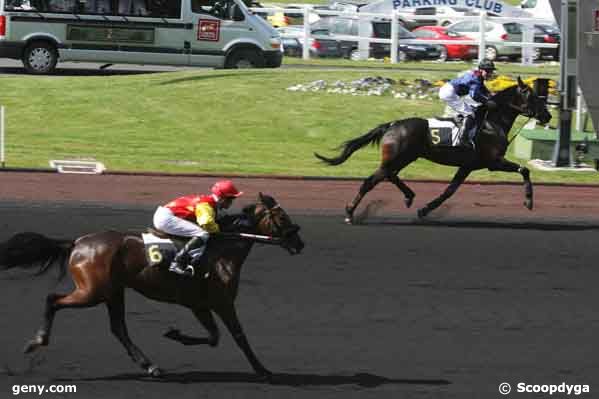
383, 30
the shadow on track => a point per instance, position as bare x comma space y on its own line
295, 380
475, 224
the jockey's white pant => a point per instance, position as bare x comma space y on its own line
458, 104
165, 220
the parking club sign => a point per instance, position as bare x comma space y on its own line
491, 6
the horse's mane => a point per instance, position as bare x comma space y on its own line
503, 96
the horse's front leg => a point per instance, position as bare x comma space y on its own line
456, 182
504, 165
228, 315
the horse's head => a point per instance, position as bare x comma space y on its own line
272, 220
530, 104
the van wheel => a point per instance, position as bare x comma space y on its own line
245, 59
40, 58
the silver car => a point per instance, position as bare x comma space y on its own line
494, 32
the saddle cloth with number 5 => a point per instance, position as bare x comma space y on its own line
444, 132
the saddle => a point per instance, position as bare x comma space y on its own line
179, 241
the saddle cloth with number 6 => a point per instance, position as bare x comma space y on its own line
159, 251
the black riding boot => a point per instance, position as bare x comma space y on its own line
180, 263
466, 132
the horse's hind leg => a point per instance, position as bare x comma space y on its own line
116, 311
368, 184
207, 320
80, 298
403, 187
407, 191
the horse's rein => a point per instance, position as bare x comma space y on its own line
521, 111
518, 132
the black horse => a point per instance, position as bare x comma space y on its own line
103, 264
404, 141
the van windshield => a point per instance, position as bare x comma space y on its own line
529, 4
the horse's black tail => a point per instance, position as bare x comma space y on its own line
27, 250
349, 147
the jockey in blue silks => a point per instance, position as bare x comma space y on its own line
470, 84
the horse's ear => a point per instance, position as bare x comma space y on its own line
521, 84
261, 197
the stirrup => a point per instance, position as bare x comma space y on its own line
188, 271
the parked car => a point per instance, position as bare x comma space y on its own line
380, 29
547, 34
448, 51
292, 39
495, 32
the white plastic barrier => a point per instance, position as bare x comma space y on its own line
527, 44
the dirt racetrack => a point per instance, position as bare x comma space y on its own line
484, 292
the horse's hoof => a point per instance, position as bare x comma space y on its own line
408, 201
422, 212
31, 346
349, 220
172, 333
528, 204
35, 343
154, 371
264, 375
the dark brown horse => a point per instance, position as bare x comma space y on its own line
103, 264
404, 141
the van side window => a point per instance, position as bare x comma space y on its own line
103, 7
61, 6
19, 5
150, 8
221, 9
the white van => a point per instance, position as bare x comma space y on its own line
214, 33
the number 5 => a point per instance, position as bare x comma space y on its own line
435, 136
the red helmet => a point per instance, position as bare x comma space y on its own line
225, 189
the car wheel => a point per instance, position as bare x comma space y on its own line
491, 53
40, 58
354, 55
443, 55
242, 59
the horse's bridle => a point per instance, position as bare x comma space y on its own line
526, 111
278, 232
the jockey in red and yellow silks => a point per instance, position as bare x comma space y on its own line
194, 216
200, 209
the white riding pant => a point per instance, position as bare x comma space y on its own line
165, 220
461, 105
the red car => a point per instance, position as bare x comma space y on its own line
456, 51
